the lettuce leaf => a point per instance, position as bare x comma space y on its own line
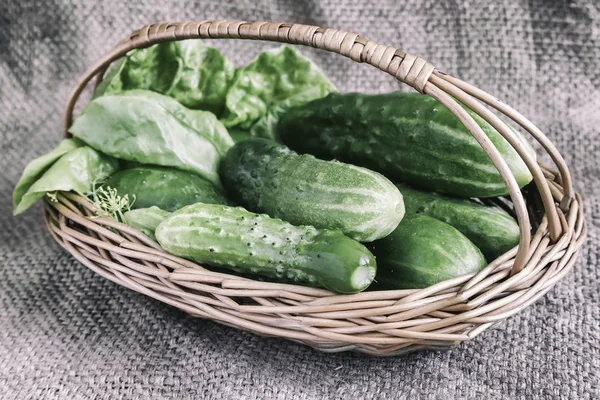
36, 168
274, 81
76, 170
196, 75
153, 129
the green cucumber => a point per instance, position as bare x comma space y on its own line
146, 220
265, 176
166, 188
257, 244
423, 251
491, 229
407, 137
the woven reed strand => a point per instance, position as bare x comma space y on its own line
378, 322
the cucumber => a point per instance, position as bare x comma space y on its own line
166, 188
265, 176
491, 229
407, 137
421, 252
236, 239
146, 220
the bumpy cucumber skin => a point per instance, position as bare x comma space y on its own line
166, 188
265, 176
408, 137
421, 252
146, 219
491, 229
236, 239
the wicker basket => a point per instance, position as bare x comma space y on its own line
377, 322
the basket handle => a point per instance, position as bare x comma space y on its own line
414, 71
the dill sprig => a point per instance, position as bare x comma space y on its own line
110, 203
52, 197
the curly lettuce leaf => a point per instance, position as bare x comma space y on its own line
196, 75
276, 80
266, 126
111, 82
76, 170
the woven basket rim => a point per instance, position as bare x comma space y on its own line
377, 322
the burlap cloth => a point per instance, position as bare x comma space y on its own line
66, 333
